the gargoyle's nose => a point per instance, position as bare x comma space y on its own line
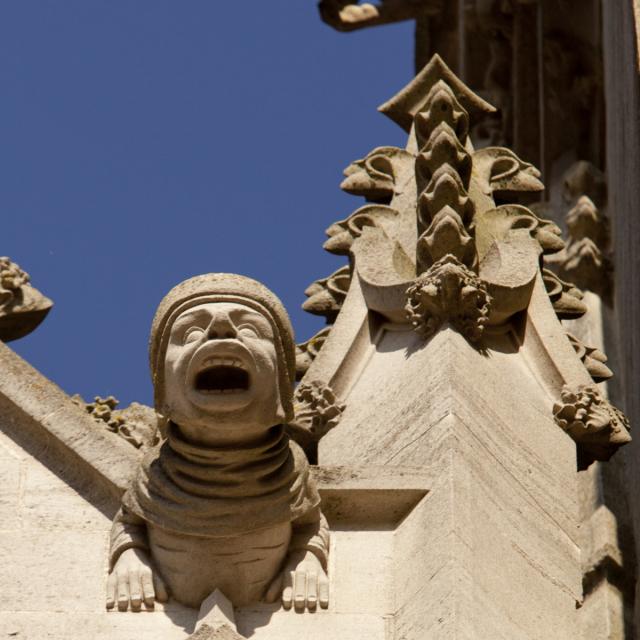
221, 327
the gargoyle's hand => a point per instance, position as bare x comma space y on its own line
132, 581
303, 583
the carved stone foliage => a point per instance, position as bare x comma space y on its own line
342, 233
375, 176
22, 308
500, 171
317, 411
592, 421
306, 352
136, 424
325, 296
586, 258
344, 15
592, 358
448, 292
565, 297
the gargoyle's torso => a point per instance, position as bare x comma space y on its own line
242, 567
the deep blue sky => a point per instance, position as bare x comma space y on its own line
146, 141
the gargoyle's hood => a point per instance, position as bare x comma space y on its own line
224, 287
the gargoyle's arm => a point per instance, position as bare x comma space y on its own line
311, 533
128, 531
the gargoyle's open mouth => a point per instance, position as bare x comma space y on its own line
222, 376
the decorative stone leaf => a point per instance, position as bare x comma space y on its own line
445, 235
499, 170
22, 308
137, 424
448, 292
593, 359
565, 297
344, 232
325, 296
592, 421
306, 352
375, 175
316, 412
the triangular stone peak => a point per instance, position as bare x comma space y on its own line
404, 106
448, 354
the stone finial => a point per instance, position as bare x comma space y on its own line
592, 421
22, 308
448, 292
405, 105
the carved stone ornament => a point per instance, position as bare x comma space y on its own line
136, 424
586, 258
344, 15
325, 296
565, 297
377, 175
448, 292
22, 308
317, 411
592, 358
226, 488
306, 352
592, 421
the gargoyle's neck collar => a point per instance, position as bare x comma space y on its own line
274, 442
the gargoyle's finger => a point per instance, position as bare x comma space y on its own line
123, 590
300, 590
323, 588
148, 592
111, 590
275, 589
135, 591
287, 592
312, 591
162, 593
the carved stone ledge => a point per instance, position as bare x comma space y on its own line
22, 308
448, 292
592, 421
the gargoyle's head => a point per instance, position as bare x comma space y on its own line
222, 351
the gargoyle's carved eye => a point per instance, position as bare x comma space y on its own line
192, 334
248, 331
